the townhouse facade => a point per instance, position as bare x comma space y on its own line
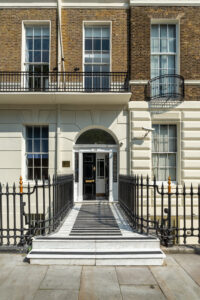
98, 89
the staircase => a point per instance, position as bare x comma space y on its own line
96, 233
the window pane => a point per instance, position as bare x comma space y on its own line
88, 32
163, 45
163, 160
29, 44
29, 146
97, 58
30, 174
155, 30
155, 61
37, 31
172, 45
37, 160
171, 62
163, 62
44, 173
29, 132
163, 31
97, 32
45, 160
155, 45
172, 31
105, 32
37, 44
172, 173
172, 145
29, 31
36, 132
37, 173
88, 44
172, 160
36, 145
37, 56
44, 145
105, 45
97, 44
30, 160
45, 44
45, 56
45, 132
45, 31
105, 58
172, 131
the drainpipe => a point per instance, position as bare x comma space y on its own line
61, 62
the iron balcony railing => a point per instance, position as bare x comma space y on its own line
167, 87
89, 82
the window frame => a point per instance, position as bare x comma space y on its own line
23, 45
95, 23
168, 22
167, 153
39, 153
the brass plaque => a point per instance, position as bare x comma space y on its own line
66, 164
89, 181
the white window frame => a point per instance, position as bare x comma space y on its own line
176, 153
95, 23
23, 45
169, 22
25, 152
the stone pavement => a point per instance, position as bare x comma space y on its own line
179, 278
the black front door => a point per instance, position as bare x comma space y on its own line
89, 176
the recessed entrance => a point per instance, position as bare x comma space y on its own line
96, 166
95, 176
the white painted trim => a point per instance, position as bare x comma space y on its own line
95, 4
65, 3
33, 22
138, 82
192, 82
164, 3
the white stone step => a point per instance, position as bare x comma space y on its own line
105, 243
86, 257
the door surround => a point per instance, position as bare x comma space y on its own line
96, 148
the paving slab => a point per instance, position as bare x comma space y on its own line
191, 264
176, 283
7, 263
141, 292
99, 283
22, 283
56, 295
62, 278
135, 275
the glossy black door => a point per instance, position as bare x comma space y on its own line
89, 176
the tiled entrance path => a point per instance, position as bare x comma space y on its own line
179, 278
95, 220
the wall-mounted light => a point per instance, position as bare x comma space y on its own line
148, 130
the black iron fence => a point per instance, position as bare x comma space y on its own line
64, 82
170, 212
36, 210
166, 86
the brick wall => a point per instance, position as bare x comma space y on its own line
72, 28
11, 35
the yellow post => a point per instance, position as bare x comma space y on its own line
169, 185
20, 185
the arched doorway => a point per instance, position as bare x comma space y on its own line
96, 166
